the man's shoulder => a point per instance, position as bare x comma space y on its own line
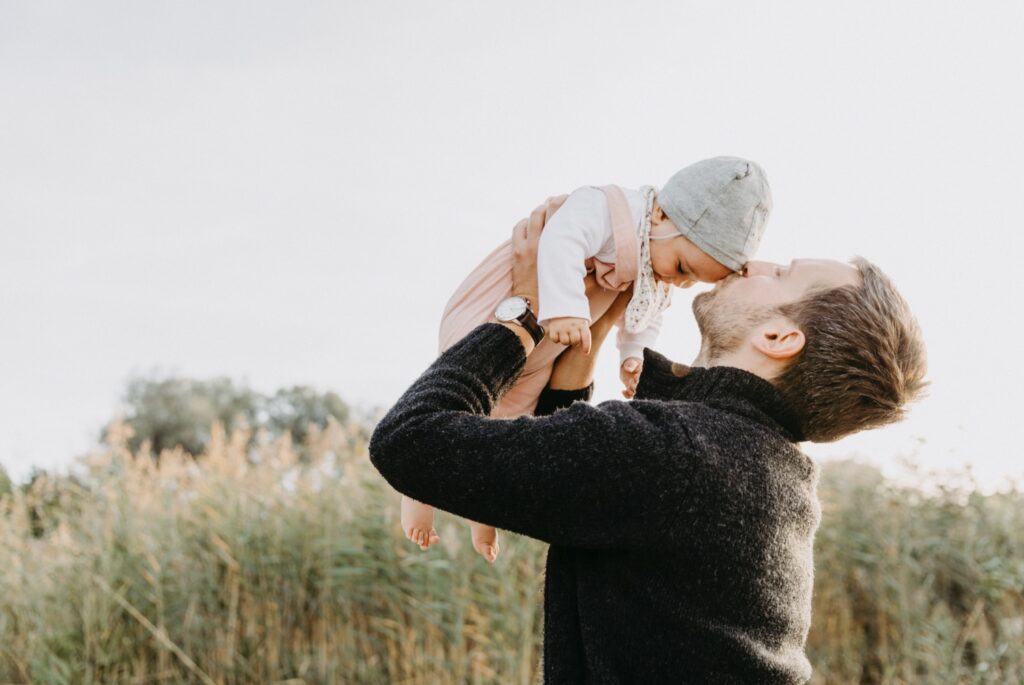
648, 416
712, 421
672, 420
731, 434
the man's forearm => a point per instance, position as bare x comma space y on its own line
468, 378
574, 370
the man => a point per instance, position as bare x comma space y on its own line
681, 523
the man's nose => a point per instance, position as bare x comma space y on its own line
755, 268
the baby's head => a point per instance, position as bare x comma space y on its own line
708, 220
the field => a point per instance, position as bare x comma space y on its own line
253, 565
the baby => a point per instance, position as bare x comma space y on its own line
703, 225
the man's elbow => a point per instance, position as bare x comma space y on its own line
382, 449
393, 446
392, 456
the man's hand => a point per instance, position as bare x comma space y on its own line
525, 238
629, 372
568, 330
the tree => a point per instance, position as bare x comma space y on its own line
174, 411
180, 411
294, 409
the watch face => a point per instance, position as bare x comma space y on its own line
510, 309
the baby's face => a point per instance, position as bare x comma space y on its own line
678, 261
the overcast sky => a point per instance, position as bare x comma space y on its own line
289, 192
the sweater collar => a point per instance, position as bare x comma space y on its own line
723, 386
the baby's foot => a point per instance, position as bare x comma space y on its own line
418, 522
485, 540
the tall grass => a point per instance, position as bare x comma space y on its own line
916, 588
253, 566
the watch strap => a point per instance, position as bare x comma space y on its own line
528, 320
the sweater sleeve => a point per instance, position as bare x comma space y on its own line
633, 344
576, 232
551, 400
585, 476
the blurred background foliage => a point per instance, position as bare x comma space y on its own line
5, 481
171, 412
246, 555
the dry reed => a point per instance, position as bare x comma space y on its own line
251, 565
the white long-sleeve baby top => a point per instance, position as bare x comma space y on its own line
579, 230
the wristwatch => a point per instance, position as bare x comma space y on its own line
517, 310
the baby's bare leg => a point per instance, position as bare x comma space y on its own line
485, 540
418, 522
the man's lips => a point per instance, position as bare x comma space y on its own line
728, 279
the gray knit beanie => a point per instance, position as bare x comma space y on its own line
721, 205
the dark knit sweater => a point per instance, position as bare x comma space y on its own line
681, 523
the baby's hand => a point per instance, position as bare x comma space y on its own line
629, 372
568, 330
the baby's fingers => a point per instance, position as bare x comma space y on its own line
585, 340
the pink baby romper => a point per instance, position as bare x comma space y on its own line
477, 297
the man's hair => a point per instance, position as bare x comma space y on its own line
863, 359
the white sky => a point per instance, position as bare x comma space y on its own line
289, 192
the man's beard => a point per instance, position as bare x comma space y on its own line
724, 325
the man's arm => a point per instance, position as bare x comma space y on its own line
585, 476
572, 378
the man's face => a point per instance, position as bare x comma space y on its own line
727, 314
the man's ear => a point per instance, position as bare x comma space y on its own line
779, 339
